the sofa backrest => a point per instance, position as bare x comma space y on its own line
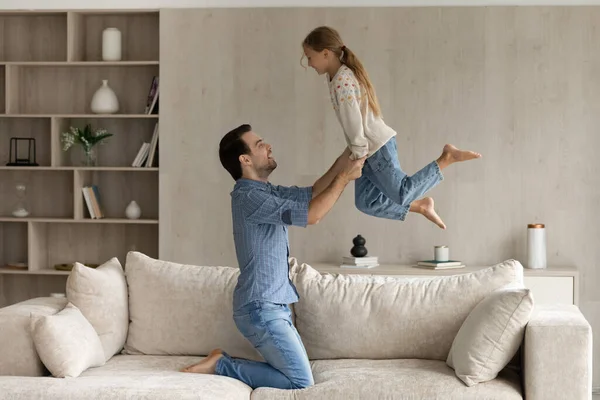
177, 309
376, 317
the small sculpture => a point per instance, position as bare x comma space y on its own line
16, 158
359, 249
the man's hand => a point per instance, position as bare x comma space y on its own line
335, 169
352, 169
324, 201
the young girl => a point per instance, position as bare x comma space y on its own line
383, 190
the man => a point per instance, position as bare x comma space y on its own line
261, 215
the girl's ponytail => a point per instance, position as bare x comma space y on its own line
348, 58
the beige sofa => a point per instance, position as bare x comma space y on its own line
367, 337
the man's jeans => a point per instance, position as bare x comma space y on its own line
268, 326
385, 191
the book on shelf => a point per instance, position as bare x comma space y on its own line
360, 262
91, 195
433, 264
152, 101
153, 147
147, 152
141, 155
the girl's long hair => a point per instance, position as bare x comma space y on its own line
324, 37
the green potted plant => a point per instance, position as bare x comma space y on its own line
88, 139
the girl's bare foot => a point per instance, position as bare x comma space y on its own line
426, 208
207, 365
451, 154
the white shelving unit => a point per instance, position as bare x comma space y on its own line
50, 67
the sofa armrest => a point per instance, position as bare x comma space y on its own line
557, 360
18, 353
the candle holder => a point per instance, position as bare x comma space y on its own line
16, 159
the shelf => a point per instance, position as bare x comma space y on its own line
52, 244
13, 243
38, 129
41, 89
33, 37
80, 221
139, 35
5, 270
77, 63
114, 154
117, 190
49, 193
73, 116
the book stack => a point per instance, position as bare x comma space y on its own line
433, 264
91, 195
360, 262
147, 152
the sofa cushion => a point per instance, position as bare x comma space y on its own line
129, 377
101, 295
180, 309
18, 353
491, 335
379, 317
66, 342
400, 379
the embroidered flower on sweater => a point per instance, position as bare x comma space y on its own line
345, 89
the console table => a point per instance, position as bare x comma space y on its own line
549, 286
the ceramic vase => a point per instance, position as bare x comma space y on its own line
133, 210
104, 100
111, 44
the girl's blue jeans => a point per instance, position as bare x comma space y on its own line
385, 191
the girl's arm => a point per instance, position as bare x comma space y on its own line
349, 99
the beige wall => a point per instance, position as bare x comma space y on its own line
520, 85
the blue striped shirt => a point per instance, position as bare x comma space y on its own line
261, 215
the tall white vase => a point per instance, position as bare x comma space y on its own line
111, 44
536, 246
104, 100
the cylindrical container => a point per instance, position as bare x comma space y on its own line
111, 44
441, 253
536, 246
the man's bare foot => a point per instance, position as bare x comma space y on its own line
426, 208
451, 154
207, 365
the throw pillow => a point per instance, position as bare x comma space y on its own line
101, 295
66, 342
491, 335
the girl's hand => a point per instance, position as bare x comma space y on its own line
352, 169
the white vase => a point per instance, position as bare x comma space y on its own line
111, 44
133, 211
104, 100
536, 246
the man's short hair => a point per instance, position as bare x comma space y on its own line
232, 146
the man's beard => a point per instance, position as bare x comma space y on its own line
266, 170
